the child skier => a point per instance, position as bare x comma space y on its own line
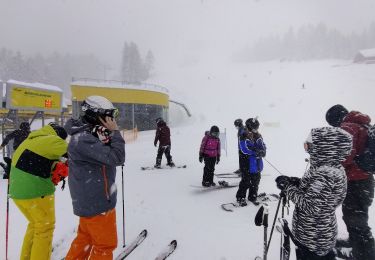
251, 145
318, 194
163, 136
210, 152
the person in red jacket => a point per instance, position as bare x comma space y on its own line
163, 136
360, 191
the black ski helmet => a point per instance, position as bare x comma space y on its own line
214, 129
252, 124
159, 120
238, 122
94, 107
336, 114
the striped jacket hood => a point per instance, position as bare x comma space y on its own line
330, 146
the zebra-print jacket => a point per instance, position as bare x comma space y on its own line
321, 190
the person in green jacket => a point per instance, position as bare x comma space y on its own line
32, 189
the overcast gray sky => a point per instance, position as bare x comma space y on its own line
170, 28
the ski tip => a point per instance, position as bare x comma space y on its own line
144, 232
173, 243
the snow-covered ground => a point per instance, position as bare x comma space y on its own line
163, 202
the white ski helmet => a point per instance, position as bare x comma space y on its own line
94, 107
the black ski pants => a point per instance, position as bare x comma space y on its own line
249, 181
164, 150
355, 208
209, 169
243, 162
304, 254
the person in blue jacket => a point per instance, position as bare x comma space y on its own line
253, 146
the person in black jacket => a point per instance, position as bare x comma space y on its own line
163, 136
242, 158
18, 136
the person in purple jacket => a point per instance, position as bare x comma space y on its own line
210, 153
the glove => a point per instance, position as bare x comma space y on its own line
282, 182
60, 172
260, 153
155, 144
217, 160
200, 157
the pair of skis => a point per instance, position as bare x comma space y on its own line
139, 239
147, 168
262, 198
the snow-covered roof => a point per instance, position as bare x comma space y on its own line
368, 52
35, 85
119, 84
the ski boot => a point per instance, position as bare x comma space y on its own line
171, 164
241, 202
253, 200
212, 184
223, 183
157, 164
206, 184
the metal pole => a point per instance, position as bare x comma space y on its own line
133, 126
273, 166
265, 224
123, 207
274, 221
7, 224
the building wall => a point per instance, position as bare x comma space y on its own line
138, 108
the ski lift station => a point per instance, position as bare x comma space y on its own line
138, 104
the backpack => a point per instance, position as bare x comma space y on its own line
366, 160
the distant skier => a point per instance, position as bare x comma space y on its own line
95, 149
163, 136
243, 158
318, 194
253, 147
32, 188
18, 136
210, 152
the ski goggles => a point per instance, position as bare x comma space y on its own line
216, 134
112, 112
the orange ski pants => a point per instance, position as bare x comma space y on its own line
96, 238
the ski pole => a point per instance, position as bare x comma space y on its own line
265, 224
123, 206
7, 224
282, 236
273, 166
274, 220
261, 218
